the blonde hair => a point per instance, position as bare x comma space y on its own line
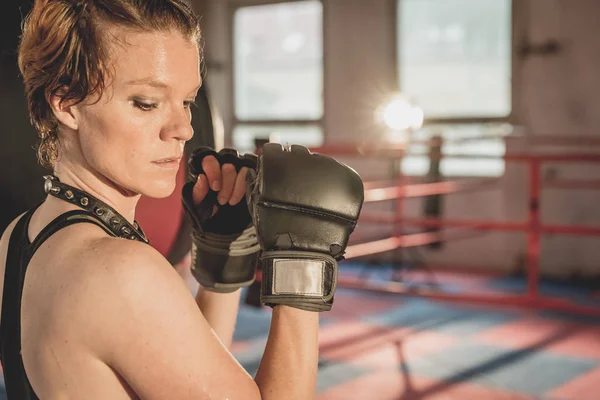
63, 51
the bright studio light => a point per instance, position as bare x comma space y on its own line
399, 114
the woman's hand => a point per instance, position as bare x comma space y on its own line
230, 185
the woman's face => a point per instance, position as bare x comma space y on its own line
134, 135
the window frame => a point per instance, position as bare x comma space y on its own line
235, 121
517, 34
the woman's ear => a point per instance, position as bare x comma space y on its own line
65, 112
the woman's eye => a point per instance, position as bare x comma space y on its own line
144, 106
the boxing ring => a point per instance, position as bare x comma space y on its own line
532, 227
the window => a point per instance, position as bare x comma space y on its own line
278, 72
455, 56
454, 59
306, 135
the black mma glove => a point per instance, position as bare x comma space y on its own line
304, 206
224, 246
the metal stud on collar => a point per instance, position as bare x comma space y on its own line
109, 217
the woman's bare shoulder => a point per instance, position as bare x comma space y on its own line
88, 276
123, 262
87, 252
82, 262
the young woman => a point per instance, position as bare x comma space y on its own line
89, 310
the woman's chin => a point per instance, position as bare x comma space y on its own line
158, 190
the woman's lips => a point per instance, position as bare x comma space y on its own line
167, 162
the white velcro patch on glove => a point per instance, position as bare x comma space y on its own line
300, 277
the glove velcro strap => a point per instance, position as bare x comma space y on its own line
225, 263
298, 279
240, 244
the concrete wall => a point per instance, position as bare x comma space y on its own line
559, 94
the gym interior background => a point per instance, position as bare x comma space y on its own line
474, 271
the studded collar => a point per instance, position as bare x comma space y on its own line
108, 216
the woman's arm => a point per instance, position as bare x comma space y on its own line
220, 310
147, 328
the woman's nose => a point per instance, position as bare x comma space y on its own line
179, 126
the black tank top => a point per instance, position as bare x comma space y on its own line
20, 252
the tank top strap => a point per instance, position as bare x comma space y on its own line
64, 220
